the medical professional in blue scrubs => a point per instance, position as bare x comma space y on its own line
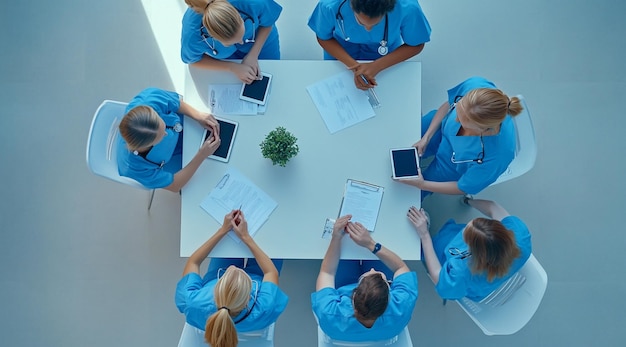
214, 30
385, 31
356, 300
472, 138
150, 148
472, 260
230, 298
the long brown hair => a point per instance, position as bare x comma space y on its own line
488, 107
492, 246
232, 293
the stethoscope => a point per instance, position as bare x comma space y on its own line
481, 155
205, 34
177, 128
382, 49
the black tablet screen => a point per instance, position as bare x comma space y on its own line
405, 162
256, 89
226, 135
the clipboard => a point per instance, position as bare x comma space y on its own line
362, 200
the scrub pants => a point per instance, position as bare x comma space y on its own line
349, 271
252, 267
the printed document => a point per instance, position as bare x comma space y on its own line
339, 102
224, 100
233, 191
362, 200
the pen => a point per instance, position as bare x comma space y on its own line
370, 90
212, 99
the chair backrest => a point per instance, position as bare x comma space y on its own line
401, 340
526, 148
194, 337
513, 304
103, 140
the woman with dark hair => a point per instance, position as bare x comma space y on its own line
384, 31
473, 260
354, 304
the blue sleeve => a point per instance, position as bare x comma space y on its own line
162, 101
271, 301
186, 289
403, 294
480, 176
152, 178
192, 47
266, 11
464, 87
415, 28
453, 279
322, 20
325, 300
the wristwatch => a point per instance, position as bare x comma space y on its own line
377, 248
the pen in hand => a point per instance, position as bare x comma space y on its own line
370, 89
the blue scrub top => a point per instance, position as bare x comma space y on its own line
148, 171
455, 278
194, 298
335, 313
407, 24
255, 14
471, 176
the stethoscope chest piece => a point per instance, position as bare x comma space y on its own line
383, 49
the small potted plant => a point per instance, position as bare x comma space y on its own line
279, 146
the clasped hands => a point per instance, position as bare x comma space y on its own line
357, 232
235, 221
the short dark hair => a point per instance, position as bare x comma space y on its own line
371, 296
373, 8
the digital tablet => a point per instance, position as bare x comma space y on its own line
228, 130
404, 163
257, 91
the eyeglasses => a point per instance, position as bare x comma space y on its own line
458, 253
255, 284
368, 274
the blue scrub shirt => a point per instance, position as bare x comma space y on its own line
168, 151
407, 24
255, 14
194, 298
455, 278
335, 313
471, 176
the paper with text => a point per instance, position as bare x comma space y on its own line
235, 190
362, 200
339, 102
224, 100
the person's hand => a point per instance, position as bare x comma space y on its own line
415, 182
210, 145
340, 225
367, 70
421, 145
359, 234
252, 62
226, 225
208, 121
419, 220
240, 225
244, 72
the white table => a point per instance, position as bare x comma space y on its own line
310, 188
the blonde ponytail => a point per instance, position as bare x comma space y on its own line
232, 293
488, 107
140, 127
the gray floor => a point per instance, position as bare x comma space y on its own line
83, 264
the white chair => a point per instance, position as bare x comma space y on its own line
194, 337
510, 307
401, 340
102, 144
526, 148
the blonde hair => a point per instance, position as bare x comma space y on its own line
140, 127
232, 293
488, 107
219, 17
492, 246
